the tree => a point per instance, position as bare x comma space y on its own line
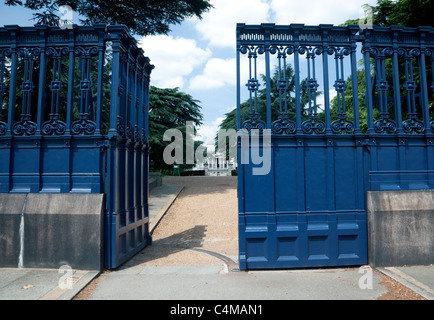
141, 17
409, 13
170, 109
363, 110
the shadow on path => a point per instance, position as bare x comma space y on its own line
189, 239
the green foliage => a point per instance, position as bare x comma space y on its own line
170, 109
349, 106
409, 13
141, 17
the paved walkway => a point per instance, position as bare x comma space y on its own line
194, 256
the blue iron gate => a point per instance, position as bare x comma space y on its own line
74, 118
331, 130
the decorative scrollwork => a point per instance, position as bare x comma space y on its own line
136, 134
29, 53
129, 131
3, 127
283, 125
54, 126
252, 85
7, 52
342, 125
409, 54
380, 53
56, 52
340, 85
339, 52
313, 126
253, 51
311, 52
413, 126
120, 127
282, 51
254, 123
87, 52
385, 125
432, 125
24, 128
83, 127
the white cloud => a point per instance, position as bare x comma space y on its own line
218, 25
216, 74
315, 12
174, 59
208, 131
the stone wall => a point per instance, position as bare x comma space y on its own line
400, 228
51, 230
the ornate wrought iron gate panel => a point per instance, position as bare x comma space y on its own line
309, 208
66, 127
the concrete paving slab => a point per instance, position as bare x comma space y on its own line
330, 284
420, 279
42, 284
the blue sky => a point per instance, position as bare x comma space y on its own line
198, 56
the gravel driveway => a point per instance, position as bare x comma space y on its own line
200, 228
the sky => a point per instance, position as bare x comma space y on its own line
198, 56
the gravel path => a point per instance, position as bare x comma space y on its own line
203, 217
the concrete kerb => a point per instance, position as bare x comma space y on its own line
166, 194
402, 276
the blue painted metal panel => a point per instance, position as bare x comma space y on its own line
310, 209
53, 133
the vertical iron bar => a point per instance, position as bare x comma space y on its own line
268, 75
115, 87
250, 78
325, 47
238, 90
396, 91
368, 93
339, 94
297, 86
285, 92
70, 98
279, 58
12, 90
100, 93
314, 78
41, 90
424, 91
355, 88
343, 80
309, 78
256, 78
326, 89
